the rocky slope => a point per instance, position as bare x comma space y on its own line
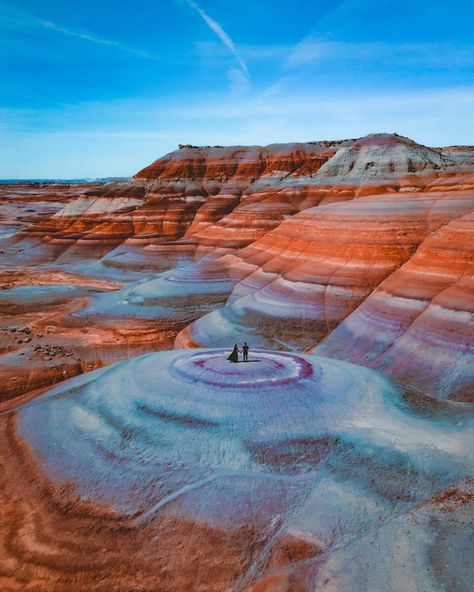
215, 198
295, 285
162, 201
285, 245
219, 197
418, 324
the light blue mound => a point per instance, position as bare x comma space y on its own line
38, 294
174, 294
93, 268
149, 257
295, 445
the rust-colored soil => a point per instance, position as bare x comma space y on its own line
52, 541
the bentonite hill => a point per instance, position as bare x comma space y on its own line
136, 458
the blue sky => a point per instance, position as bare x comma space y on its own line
103, 88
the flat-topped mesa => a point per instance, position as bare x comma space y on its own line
274, 196
243, 164
375, 157
279, 180
162, 201
227, 197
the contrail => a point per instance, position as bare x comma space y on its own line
23, 20
219, 31
94, 39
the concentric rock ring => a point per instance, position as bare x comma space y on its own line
263, 369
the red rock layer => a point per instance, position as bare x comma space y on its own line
217, 164
306, 231
299, 281
418, 326
208, 184
372, 165
229, 197
256, 214
163, 200
43, 342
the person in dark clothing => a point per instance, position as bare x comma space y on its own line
234, 356
245, 349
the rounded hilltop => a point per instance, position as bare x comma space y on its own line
289, 468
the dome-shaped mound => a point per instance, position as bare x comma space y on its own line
379, 156
181, 470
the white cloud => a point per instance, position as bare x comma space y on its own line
434, 54
133, 133
304, 52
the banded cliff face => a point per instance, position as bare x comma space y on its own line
216, 198
418, 325
191, 188
288, 246
233, 194
298, 282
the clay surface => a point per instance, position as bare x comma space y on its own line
136, 458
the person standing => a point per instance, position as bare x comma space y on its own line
245, 350
234, 356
